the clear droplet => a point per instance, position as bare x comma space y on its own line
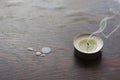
38, 53
42, 55
46, 50
30, 49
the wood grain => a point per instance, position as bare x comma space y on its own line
26, 24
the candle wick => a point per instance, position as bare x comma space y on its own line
88, 44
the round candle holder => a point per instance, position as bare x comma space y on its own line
88, 49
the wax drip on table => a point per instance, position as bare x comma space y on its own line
44, 51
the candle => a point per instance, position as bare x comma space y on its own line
88, 45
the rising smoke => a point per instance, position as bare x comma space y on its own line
103, 25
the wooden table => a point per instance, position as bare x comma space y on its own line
25, 25
16, 63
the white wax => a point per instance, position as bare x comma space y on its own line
38, 53
46, 50
82, 44
87, 46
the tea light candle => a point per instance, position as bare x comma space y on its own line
86, 45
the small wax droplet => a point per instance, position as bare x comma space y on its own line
46, 50
30, 49
42, 55
38, 53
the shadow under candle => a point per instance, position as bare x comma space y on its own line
87, 60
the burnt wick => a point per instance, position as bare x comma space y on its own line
88, 44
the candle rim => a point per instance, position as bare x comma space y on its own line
87, 34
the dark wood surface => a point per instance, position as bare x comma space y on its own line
16, 63
27, 25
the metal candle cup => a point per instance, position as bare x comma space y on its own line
87, 49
